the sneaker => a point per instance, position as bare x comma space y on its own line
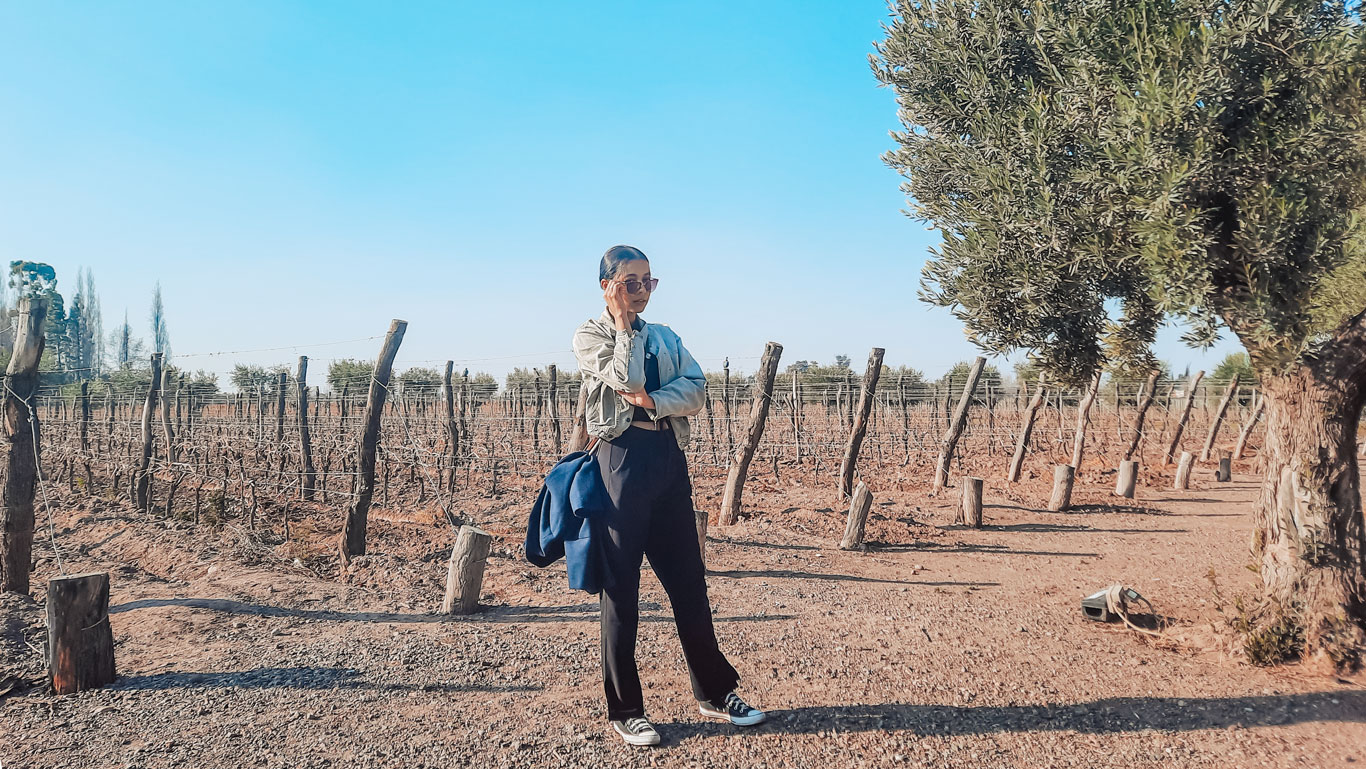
733, 709
636, 731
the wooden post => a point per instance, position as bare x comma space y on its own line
1128, 479
578, 438
80, 643
1063, 477
971, 511
1026, 430
1219, 418
280, 385
1225, 471
1247, 429
726, 406
143, 485
552, 376
452, 430
739, 465
1191, 384
19, 444
859, 506
1149, 392
960, 418
865, 405
167, 427
465, 572
1183, 472
85, 415
310, 473
357, 517
1083, 417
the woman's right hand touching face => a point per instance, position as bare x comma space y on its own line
618, 303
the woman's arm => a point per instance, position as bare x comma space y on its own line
684, 396
618, 360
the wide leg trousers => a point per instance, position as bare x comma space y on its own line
646, 476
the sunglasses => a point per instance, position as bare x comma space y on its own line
634, 286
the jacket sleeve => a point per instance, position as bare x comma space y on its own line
618, 360
686, 394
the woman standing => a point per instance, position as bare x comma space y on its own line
642, 387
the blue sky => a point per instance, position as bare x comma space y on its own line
300, 173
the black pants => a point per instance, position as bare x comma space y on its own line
646, 475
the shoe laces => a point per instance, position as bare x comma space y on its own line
735, 704
638, 725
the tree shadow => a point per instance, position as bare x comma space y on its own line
292, 678
752, 543
787, 574
1104, 716
487, 614
1099, 508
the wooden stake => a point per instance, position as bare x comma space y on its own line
143, 484
1149, 391
971, 511
465, 572
1191, 384
871, 374
1246, 433
310, 473
758, 414
1183, 472
859, 506
1026, 430
949, 443
80, 642
1219, 418
1063, 477
357, 517
1127, 481
1225, 471
1083, 417
19, 444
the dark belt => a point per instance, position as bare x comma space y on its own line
647, 424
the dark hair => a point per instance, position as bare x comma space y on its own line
615, 257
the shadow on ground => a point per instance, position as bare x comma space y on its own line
584, 612
291, 678
1107, 716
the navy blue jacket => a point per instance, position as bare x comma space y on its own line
561, 525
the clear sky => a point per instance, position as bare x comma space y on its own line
300, 173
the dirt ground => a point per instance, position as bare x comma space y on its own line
937, 646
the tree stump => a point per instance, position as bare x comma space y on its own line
465, 573
858, 516
1063, 477
1183, 471
1127, 480
80, 642
971, 511
1225, 471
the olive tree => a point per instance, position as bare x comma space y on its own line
1098, 168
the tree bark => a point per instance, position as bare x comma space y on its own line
1309, 531
80, 643
142, 488
859, 505
310, 473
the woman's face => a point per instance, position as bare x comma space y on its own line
635, 274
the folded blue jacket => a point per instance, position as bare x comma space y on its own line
567, 509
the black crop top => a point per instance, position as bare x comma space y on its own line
651, 384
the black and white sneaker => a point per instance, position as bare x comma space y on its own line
636, 731
733, 709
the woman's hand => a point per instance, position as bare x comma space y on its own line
619, 304
641, 399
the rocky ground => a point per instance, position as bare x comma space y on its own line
936, 646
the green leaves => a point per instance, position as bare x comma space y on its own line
1203, 161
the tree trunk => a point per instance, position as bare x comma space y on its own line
1026, 430
871, 374
758, 414
1083, 417
19, 446
949, 443
1219, 418
1309, 531
1149, 390
354, 526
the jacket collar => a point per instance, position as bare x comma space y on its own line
606, 317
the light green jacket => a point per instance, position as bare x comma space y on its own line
612, 361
